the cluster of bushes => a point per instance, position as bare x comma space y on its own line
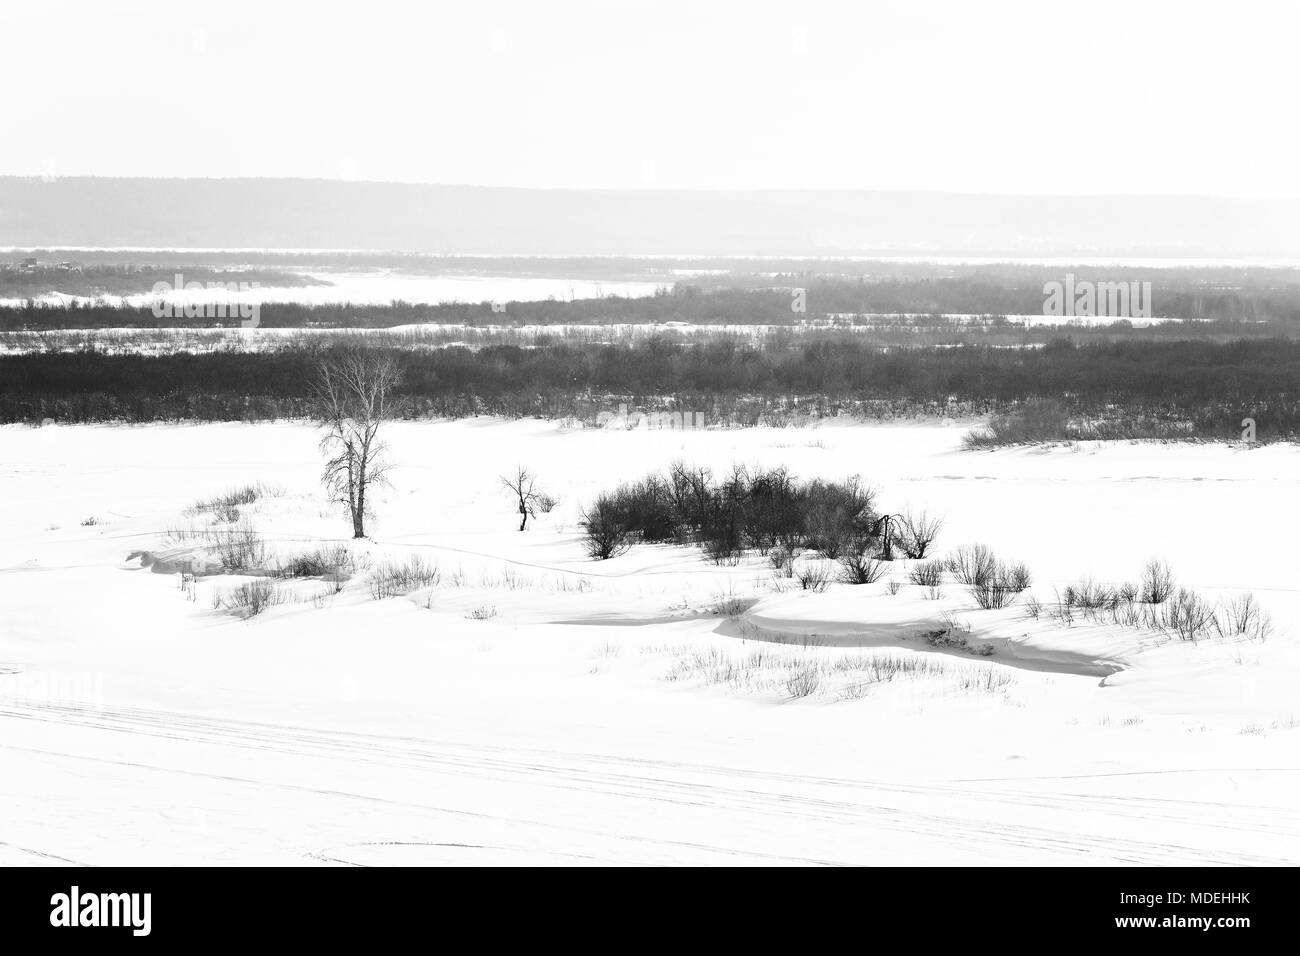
796, 673
764, 510
1051, 420
1156, 603
239, 548
225, 506
992, 582
250, 598
334, 564
395, 578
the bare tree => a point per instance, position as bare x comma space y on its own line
1157, 582
522, 485
917, 532
354, 393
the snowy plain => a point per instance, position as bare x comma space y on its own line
539, 707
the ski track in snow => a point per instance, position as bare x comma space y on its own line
851, 809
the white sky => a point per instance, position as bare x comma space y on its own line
997, 97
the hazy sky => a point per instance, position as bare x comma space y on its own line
1034, 97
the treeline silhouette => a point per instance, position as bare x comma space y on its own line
1276, 306
1209, 383
708, 271
99, 280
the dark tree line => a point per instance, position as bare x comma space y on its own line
1188, 379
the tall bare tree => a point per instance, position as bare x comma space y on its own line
522, 485
354, 395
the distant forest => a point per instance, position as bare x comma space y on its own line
1264, 301
1209, 386
97, 280
710, 271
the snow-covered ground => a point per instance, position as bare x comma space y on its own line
535, 706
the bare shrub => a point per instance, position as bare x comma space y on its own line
1018, 577
225, 507
835, 515
239, 549
859, 567
987, 680
802, 682
771, 513
893, 587
999, 586
1128, 613
1187, 615
722, 543
992, 583
770, 669
722, 532
1157, 584
1036, 421
916, 532
606, 535
955, 624
690, 491
927, 575
392, 578
730, 605
485, 613
645, 508
251, 598
971, 564
813, 576
1090, 596
1242, 616
781, 559
323, 561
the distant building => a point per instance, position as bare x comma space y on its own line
28, 265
